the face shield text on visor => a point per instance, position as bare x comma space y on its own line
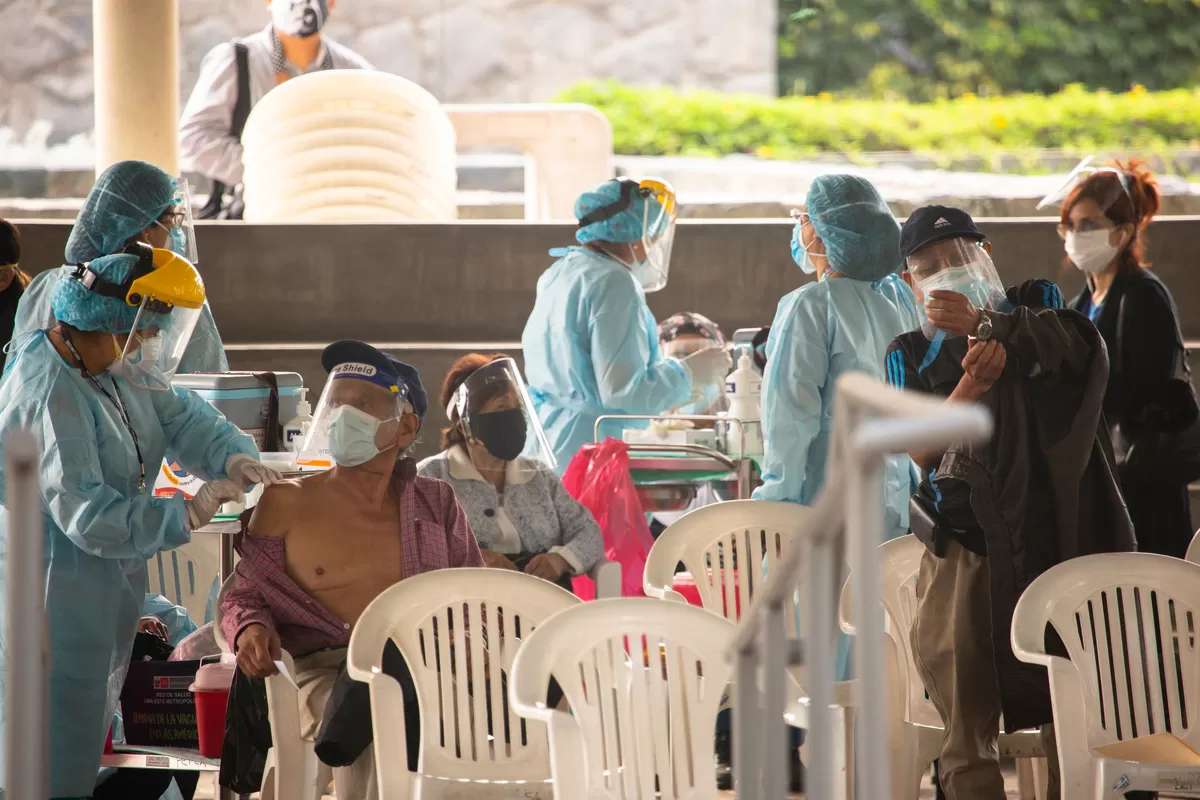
961, 266
357, 418
169, 295
499, 423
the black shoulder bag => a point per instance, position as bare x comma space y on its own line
225, 202
1162, 455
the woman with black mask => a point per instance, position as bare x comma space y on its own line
496, 457
12, 280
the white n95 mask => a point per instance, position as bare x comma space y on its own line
1090, 251
140, 361
352, 436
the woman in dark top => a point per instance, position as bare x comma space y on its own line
12, 280
1104, 221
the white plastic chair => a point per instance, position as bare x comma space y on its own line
292, 769
1193, 551
1129, 622
710, 542
915, 729
644, 680
607, 577
185, 575
459, 679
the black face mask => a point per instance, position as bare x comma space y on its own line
502, 432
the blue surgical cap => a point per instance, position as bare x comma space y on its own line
862, 238
625, 227
81, 308
125, 200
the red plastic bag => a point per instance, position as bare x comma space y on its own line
598, 477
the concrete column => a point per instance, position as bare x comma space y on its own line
136, 68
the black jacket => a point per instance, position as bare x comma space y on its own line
1139, 396
8, 314
1044, 488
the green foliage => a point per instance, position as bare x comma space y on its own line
666, 122
929, 49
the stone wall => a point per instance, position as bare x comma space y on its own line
461, 50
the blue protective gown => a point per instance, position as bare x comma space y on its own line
821, 331
99, 530
205, 351
591, 348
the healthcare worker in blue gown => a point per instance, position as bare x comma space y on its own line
843, 321
96, 391
591, 343
129, 202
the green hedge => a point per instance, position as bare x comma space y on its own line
651, 121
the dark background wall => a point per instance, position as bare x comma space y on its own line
429, 293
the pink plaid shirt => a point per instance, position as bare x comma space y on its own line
434, 534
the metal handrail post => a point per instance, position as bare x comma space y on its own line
26, 739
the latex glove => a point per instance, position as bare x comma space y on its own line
709, 367
212, 495
245, 470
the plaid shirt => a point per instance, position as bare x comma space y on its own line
434, 534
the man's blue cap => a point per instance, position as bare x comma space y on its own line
388, 372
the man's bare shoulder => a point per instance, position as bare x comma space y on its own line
281, 504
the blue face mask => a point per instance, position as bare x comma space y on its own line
702, 407
963, 281
352, 436
800, 255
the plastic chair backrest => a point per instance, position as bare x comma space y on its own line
185, 575
714, 542
900, 561
460, 680
644, 679
1193, 551
1129, 622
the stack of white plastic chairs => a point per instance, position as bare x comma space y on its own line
349, 146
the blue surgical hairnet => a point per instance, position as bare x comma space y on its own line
81, 308
125, 200
626, 226
861, 236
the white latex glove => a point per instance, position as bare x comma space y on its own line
245, 470
212, 495
708, 367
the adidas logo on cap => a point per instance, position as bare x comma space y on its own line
942, 223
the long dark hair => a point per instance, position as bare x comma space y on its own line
1136, 202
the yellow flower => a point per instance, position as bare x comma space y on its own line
969, 96
1137, 90
999, 121
825, 97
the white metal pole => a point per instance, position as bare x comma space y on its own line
774, 729
747, 766
26, 750
864, 527
819, 654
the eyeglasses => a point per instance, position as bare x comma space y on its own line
801, 217
171, 219
1083, 226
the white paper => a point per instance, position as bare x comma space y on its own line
283, 670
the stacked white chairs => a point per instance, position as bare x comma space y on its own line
186, 574
459, 631
644, 680
349, 146
1129, 623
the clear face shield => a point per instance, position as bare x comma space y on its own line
169, 298
177, 221
497, 418
358, 417
961, 266
1090, 238
658, 234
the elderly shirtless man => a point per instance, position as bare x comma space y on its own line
319, 549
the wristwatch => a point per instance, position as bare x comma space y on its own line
983, 331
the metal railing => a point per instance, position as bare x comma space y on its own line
27, 701
871, 421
